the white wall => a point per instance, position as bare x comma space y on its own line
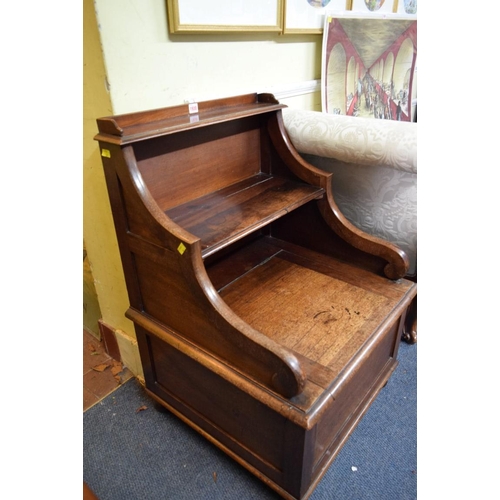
148, 68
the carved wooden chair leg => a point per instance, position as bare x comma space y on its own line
410, 326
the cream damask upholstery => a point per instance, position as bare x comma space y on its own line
374, 163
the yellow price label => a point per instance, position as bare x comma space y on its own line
181, 248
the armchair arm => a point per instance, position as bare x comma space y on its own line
357, 140
374, 166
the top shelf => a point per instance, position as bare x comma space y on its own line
227, 215
133, 127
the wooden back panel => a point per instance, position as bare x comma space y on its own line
193, 163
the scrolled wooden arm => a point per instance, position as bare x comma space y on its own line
397, 262
221, 332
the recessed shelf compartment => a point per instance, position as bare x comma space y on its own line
304, 302
317, 306
229, 214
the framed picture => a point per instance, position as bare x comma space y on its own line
369, 65
405, 6
200, 16
378, 6
307, 16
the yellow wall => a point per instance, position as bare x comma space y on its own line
91, 310
132, 63
98, 229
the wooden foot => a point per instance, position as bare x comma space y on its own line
88, 494
410, 327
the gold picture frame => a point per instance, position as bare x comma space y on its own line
223, 16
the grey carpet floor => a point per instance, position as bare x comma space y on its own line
152, 455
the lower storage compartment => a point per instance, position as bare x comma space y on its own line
239, 422
346, 337
289, 457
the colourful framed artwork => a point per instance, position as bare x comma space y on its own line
376, 6
307, 16
369, 65
405, 6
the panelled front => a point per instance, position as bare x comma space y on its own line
371, 367
233, 418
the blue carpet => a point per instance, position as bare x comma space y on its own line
152, 455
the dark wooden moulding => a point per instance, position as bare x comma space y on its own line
264, 319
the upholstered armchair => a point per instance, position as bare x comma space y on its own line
374, 163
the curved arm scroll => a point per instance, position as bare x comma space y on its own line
396, 259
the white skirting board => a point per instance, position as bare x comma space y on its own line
293, 89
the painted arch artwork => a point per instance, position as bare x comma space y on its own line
369, 67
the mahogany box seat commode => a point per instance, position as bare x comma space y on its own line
265, 320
